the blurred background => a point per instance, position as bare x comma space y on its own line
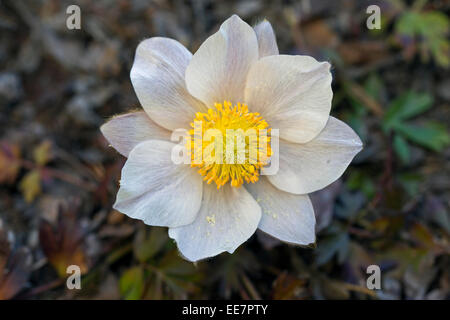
59, 178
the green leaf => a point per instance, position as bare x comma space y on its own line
179, 274
336, 244
359, 180
401, 147
42, 153
407, 106
431, 28
350, 204
433, 24
407, 24
434, 29
131, 283
173, 264
30, 185
148, 242
357, 123
431, 135
440, 48
374, 86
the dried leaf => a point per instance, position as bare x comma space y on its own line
9, 162
30, 185
15, 268
286, 287
42, 153
63, 244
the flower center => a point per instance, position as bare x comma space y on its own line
229, 144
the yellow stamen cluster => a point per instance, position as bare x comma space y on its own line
220, 119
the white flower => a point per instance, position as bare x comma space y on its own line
238, 64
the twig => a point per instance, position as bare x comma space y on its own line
61, 175
43, 288
250, 288
353, 287
64, 155
354, 73
58, 174
360, 232
373, 105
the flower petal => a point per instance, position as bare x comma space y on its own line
293, 93
286, 216
218, 69
267, 42
227, 218
124, 132
154, 189
305, 168
158, 79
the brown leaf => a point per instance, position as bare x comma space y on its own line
362, 52
422, 235
9, 162
319, 35
63, 244
287, 286
15, 268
